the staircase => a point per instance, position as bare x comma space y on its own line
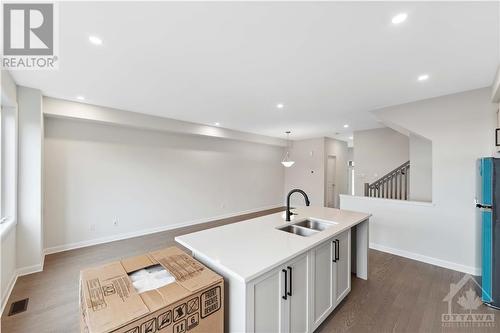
394, 185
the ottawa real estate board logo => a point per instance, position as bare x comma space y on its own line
465, 308
30, 36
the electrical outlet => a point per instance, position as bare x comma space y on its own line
92, 227
115, 221
222, 205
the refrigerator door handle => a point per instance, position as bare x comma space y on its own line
484, 206
480, 205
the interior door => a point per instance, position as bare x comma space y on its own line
298, 294
322, 282
351, 178
268, 303
331, 191
342, 266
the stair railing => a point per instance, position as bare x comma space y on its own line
394, 185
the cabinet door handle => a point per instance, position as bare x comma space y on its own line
337, 250
290, 270
286, 289
334, 255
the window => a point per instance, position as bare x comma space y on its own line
8, 165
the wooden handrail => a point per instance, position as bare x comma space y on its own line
393, 185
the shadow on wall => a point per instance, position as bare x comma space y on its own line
94, 132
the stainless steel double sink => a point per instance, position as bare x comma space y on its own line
307, 227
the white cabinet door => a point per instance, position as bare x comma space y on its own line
268, 304
298, 294
322, 282
342, 266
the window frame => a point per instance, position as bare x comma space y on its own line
8, 168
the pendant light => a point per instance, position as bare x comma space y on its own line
286, 158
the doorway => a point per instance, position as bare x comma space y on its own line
350, 176
331, 191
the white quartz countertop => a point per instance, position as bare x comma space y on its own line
252, 247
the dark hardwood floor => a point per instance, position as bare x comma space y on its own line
401, 295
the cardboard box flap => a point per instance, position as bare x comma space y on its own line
187, 271
133, 264
109, 298
161, 297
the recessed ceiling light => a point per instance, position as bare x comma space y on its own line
346, 125
80, 98
280, 106
217, 124
95, 40
400, 18
423, 77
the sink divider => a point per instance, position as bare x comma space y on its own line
305, 228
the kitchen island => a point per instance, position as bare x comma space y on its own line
284, 276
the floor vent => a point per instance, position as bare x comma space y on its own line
18, 307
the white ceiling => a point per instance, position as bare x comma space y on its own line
329, 63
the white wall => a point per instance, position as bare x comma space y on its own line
350, 154
8, 181
461, 128
30, 223
308, 172
148, 180
409, 229
8, 89
377, 152
8, 266
420, 168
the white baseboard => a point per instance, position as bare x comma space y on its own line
102, 240
30, 269
429, 260
15, 275
10, 287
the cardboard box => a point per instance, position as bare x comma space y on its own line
194, 303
